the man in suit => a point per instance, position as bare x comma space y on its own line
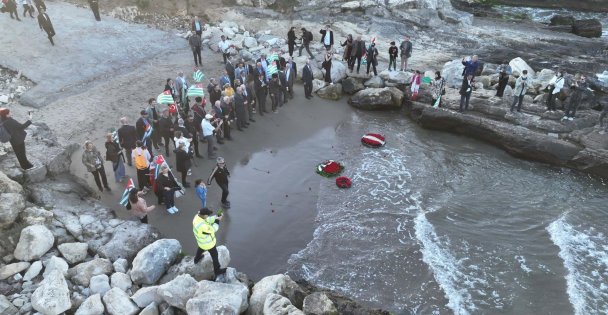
327, 37
197, 26
307, 77
44, 22
127, 137
274, 88
290, 77
250, 101
294, 67
154, 118
465, 92
259, 70
283, 82
261, 91
357, 53
181, 84
239, 108
94, 4
195, 45
230, 71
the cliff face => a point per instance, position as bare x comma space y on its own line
581, 5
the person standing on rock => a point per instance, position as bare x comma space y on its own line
167, 185
307, 77
142, 125
393, 51
291, 40
17, 134
127, 137
348, 49
555, 86
165, 130
91, 158
181, 86
465, 92
45, 24
503, 80
357, 53
114, 155
372, 58
415, 84
327, 66
154, 117
406, 52
261, 92
306, 39
521, 87
204, 227
139, 207
192, 128
221, 174
327, 37
197, 26
470, 66
94, 4
195, 44
438, 89
578, 88
224, 46
141, 159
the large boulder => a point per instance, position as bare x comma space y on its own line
397, 77
147, 295
83, 272
154, 260
452, 73
373, 99
127, 240
218, 298
587, 28
338, 71
276, 304
250, 42
331, 92
178, 291
8, 185
35, 241
201, 271
558, 20
279, 284
374, 82
352, 85
11, 269
52, 297
518, 65
318, 84
91, 306
319, 304
73, 252
11, 204
151, 309
118, 303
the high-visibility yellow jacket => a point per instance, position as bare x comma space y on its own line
204, 231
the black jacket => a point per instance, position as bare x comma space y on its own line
164, 127
307, 74
331, 36
261, 89
220, 174
358, 48
16, 130
465, 86
140, 126
166, 181
182, 161
274, 87
291, 37
44, 22
127, 136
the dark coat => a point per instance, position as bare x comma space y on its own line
331, 36
358, 48
127, 136
289, 79
182, 161
113, 152
283, 80
44, 22
291, 37
16, 129
220, 174
239, 104
166, 181
274, 87
140, 125
307, 74
465, 86
165, 126
261, 89
372, 55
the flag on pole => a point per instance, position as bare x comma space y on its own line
271, 69
148, 131
124, 200
165, 98
196, 90
271, 58
159, 161
436, 105
198, 76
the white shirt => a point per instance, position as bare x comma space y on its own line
327, 38
223, 46
183, 140
558, 83
207, 128
287, 72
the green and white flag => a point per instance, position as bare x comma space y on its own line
165, 98
198, 76
196, 90
273, 57
271, 69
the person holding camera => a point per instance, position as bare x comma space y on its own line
470, 66
578, 88
15, 134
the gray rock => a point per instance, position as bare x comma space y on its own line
374, 82
121, 280
81, 273
36, 174
352, 85
146, 295
201, 271
218, 298
8, 270
36, 215
373, 99
587, 28
279, 305
250, 42
118, 303
6, 307
452, 73
319, 304
280, 284
397, 77
52, 296
338, 71
33, 271
331, 92
11, 204
121, 265
55, 263
178, 291
8, 185
154, 260
519, 65
91, 306
99, 284
73, 252
127, 240
34, 242
318, 84
151, 309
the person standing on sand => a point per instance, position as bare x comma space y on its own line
521, 87
307, 77
274, 88
91, 158
208, 131
165, 130
183, 162
17, 136
141, 125
45, 24
465, 92
291, 40
40, 5
555, 87
11, 8
406, 52
114, 155
195, 44
221, 174
290, 77
139, 207
261, 91
197, 26
27, 7
94, 4
204, 227
201, 191
127, 137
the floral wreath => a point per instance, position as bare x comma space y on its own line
343, 182
329, 168
373, 140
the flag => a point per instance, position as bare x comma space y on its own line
148, 131
198, 76
165, 98
437, 102
124, 200
158, 162
196, 90
426, 80
271, 58
271, 69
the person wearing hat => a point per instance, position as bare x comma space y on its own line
91, 158
220, 173
17, 134
208, 131
204, 227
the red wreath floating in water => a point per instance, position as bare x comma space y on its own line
373, 140
343, 182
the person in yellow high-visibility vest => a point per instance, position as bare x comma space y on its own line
204, 226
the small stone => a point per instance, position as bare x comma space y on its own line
11, 269
4, 99
33, 271
34, 241
99, 284
121, 265
91, 306
73, 252
118, 303
55, 263
121, 280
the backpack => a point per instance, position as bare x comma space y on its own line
140, 160
5, 136
309, 35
